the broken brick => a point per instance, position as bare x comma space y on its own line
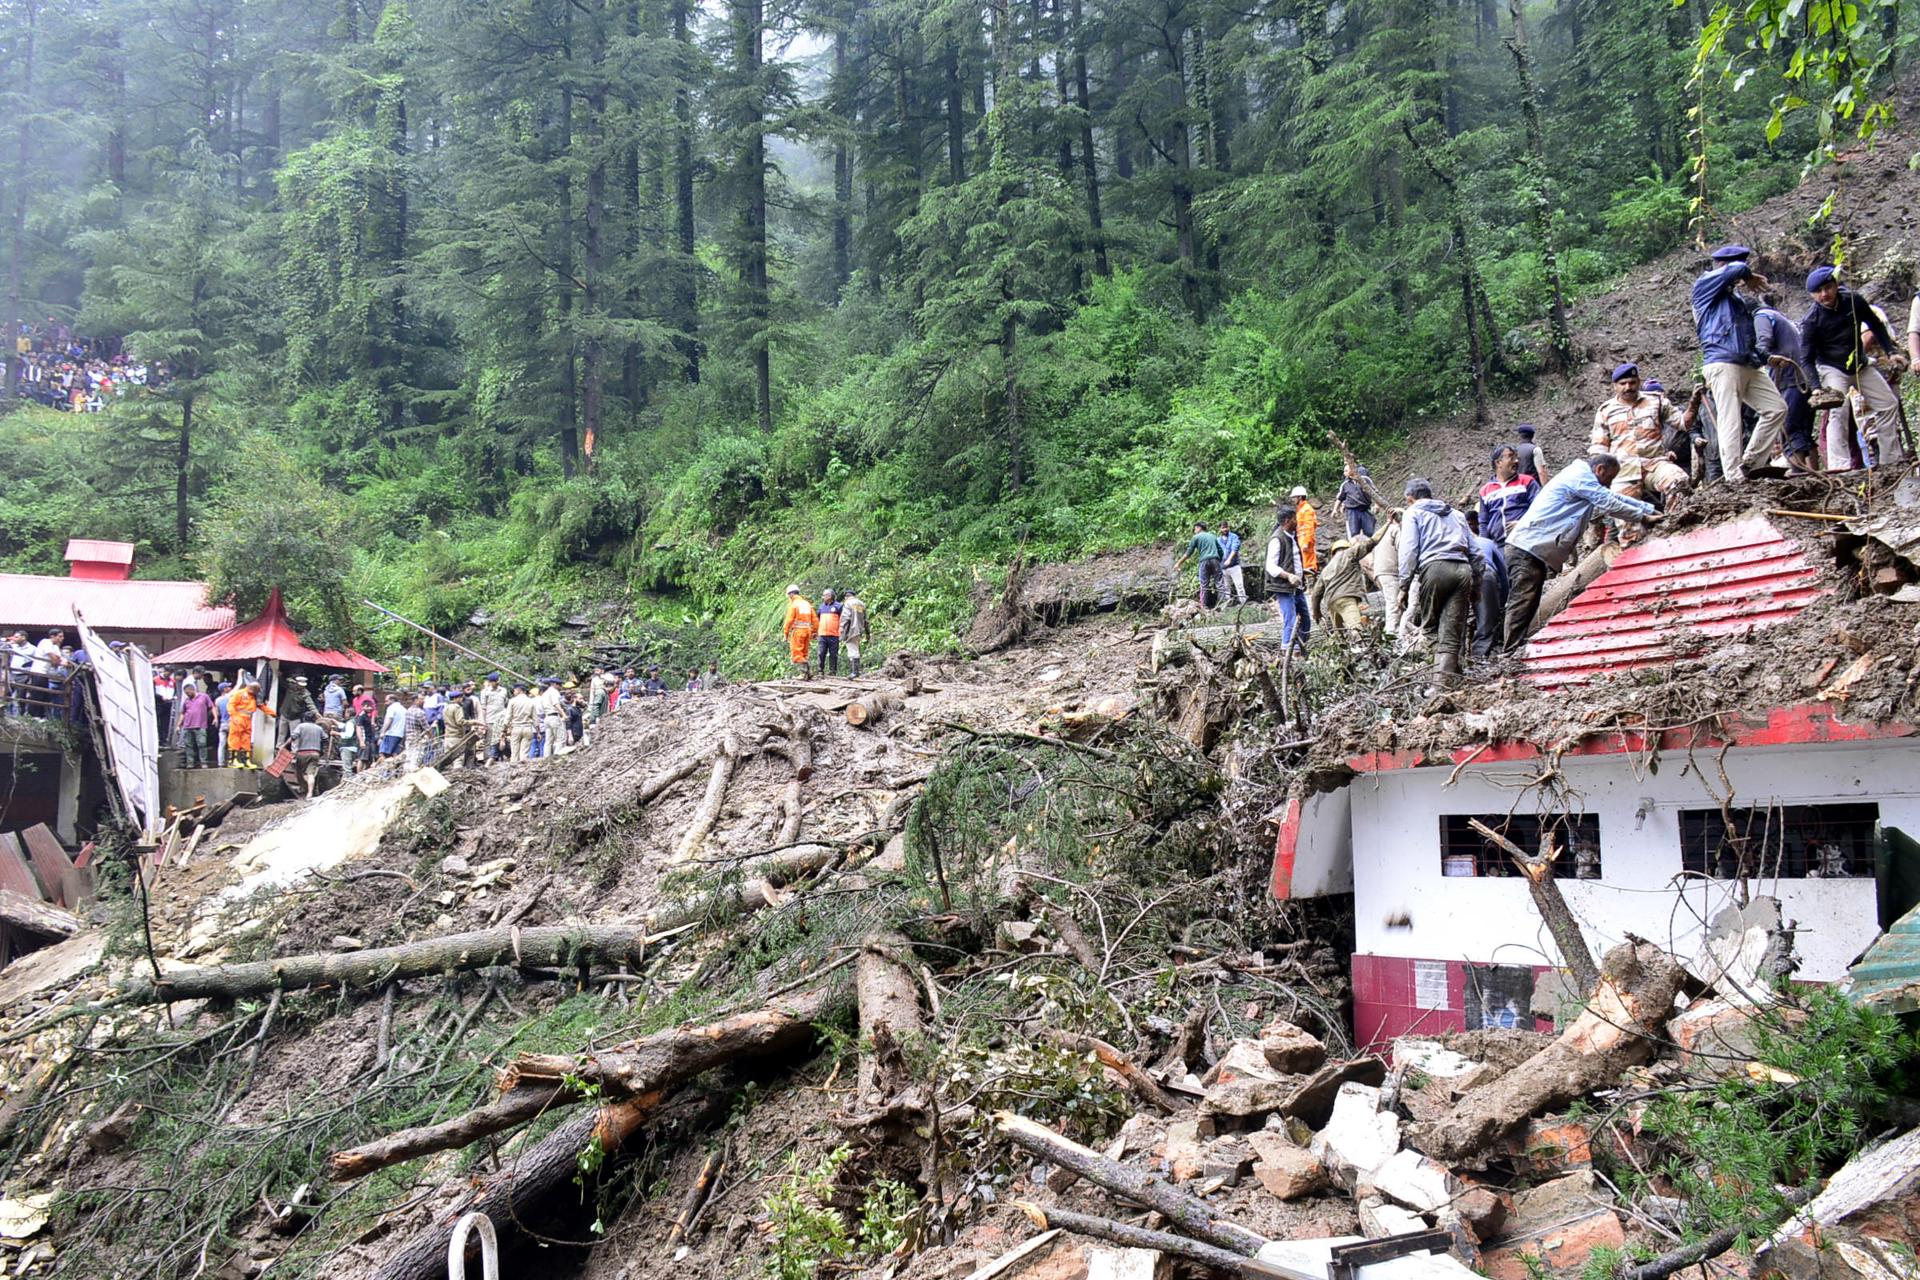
1565, 1247
1290, 1050
1287, 1171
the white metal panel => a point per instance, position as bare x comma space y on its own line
123, 679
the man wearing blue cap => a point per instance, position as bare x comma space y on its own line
1831, 329
1732, 363
1639, 429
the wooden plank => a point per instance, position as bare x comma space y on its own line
50, 861
16, 873
35, 916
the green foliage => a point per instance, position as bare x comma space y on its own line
274, 526
810, 1235
1829, 1067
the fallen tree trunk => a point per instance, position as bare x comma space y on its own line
1132, 1237
650, 1066
514, 1195
874, 706
1190, 1213
701, 823
511, 1111
1552, 905
563, 945
42, 919
1638, 982
889, 1003
644, 1071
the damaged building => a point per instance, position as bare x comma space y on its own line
1660, 814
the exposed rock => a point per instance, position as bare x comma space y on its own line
1313, 1100
1284, 1169
1358, 1137
1411, 1179
1290, 1050
1380, 1217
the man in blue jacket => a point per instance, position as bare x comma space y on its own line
1733, 367
1544, 540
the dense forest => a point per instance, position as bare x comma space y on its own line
520, 305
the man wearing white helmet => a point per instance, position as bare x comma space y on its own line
800, 625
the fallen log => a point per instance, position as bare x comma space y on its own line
1638, 982
701, 823
1144, 1086
1190, 1213
564, 945
1132, 1237
513, 1195
649, 1067
510, 1112
696, 1197
42, 919
874, 706
1691, 1255
889, 1002
1551, 903
765, 889
644, 1071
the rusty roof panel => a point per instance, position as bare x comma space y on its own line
1718, 581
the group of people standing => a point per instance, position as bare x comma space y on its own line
837, 623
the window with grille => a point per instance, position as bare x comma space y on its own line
1465, 852
1785, 842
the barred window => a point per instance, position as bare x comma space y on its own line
1785, 842
1465, 852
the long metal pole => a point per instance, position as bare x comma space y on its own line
492, 662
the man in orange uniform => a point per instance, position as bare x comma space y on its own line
1307, 521
801, 624
241, 705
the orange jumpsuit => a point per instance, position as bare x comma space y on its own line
241, 705
801, 623
1308, 521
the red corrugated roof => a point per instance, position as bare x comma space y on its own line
95, 549
268, 636
1715, 581
36, 601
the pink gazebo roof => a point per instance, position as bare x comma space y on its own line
268, 636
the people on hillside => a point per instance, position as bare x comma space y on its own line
522, 720
829, 620
1732, 364
1306, 527
308, 742
1338, 594
1204, 548
1490, 595
240, 708
1837, 328
1506, 497
1546, 537
799, 630
1356, 500
1437, 545
853, 634
1287, 577
197, 718
1232, 572
1639, 429
1781, 345
1532, 461
1386, 571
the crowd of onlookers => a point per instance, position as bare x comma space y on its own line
36, 677
53, 366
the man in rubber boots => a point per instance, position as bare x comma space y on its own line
799, 629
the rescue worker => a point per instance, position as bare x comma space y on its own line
493, 717
597, 695
1306, 523
1356, 502
1636, 429
1336, 596
1506, 497
521, 717
1386, 570
240, 708
1436, 544
1532, 462
1732, 364
799, 629
1832, 330
853, 630
1545, 539
553, 715
1287, 578
309, 742
829, 615
459, 716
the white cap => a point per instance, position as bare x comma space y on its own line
1299, 491
793, 591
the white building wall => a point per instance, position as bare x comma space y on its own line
1396, 849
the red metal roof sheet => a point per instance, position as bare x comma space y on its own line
36, 601
1716, 581
95, 549
268, 636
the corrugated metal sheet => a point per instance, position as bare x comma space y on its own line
1888, 976
96, 549
36, 601
1716, 581
268, 636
